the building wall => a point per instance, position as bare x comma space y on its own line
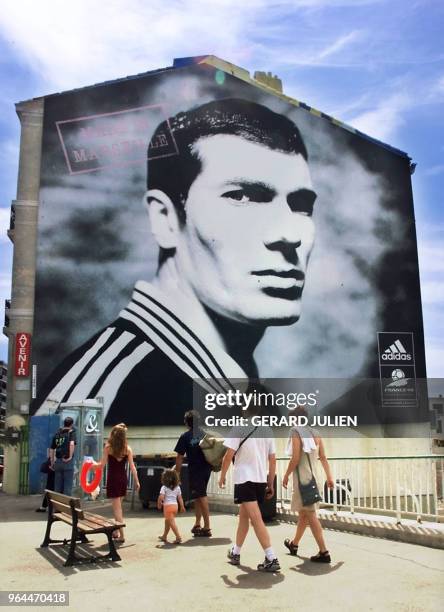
80, 291
24, 236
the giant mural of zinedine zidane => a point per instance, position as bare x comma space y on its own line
238, 183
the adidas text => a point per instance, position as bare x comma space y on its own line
396, 357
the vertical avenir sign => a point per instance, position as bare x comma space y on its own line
22, 354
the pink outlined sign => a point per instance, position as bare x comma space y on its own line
114, 139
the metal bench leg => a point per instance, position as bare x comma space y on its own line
112, 548
72, 548
47, 538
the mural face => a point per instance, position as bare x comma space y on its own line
248, 233
193, 227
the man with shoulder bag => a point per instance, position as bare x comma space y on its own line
254, 471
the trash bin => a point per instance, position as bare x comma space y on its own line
149, 472
268, 506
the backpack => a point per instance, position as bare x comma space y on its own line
61, 442
214, 450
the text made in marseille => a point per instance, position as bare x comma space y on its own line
283, 421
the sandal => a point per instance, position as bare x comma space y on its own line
178, 541
321, 557
196, 529
162, 539
203, 533
293, 548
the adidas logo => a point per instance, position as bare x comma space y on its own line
396, 352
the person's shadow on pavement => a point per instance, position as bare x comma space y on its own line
206, 542
308, 568
252, 579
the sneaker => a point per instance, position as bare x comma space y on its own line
41, 509
234, 559
269, 566
321, 557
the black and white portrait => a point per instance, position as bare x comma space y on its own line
193, 227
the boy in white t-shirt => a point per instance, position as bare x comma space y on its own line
254, 470
170, 498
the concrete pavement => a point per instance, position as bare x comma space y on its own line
366, 573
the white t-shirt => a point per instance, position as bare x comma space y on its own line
251, 461
171, 495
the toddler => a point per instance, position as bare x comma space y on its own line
170, 497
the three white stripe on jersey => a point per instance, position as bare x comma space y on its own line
163, 331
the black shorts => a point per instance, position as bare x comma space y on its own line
198, 480
249, 491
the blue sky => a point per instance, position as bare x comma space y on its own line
375, 64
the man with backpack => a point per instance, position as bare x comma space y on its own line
254, 471
61, 455
199, 471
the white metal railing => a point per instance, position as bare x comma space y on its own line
404, 487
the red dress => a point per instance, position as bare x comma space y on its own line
116, 482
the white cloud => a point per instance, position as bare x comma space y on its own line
121, 37
5, 285
431, 265
430, 257
5, 293
339, 44
4, 224
434, 170
435, 360
5, 274
383, 121
111, 40
440, 84
432, 292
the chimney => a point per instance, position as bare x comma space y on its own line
266, 78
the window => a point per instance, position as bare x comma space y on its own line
439, 408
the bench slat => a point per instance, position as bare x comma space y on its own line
86, 526
67, 518
64, 499
102, 522
99, 526
59, 507
98, 518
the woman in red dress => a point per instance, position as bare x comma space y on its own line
116, 454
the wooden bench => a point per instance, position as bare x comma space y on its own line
68, 510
